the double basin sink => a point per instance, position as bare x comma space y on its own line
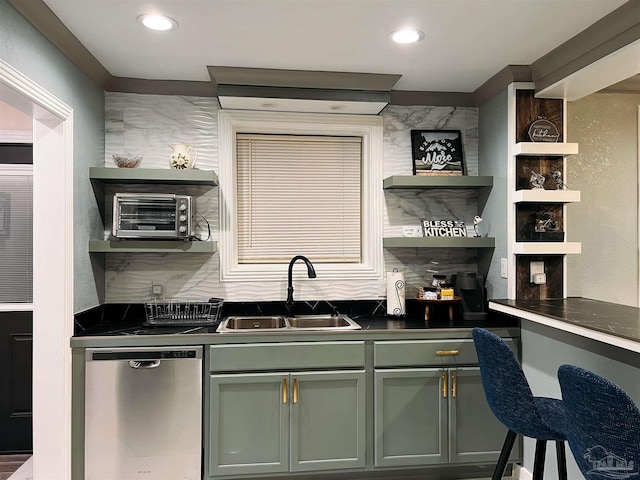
244, 324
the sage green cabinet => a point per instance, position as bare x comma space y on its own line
410, 418
249, 424
286, 421
430, 406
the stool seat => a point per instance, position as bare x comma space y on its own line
602, 424
514, 405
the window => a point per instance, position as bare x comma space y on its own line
16, 234
300, 184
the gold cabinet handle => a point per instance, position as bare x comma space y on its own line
295, 390
444, 384
284, 390
443, 353
454, 384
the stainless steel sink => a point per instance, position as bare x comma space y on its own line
240, 324
248, 324
322, 322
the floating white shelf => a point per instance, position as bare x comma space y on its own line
151, 246
550, 196
426, 181
168, 176
545, 149
439, 242
547, 248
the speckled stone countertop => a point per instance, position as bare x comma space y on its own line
610, 323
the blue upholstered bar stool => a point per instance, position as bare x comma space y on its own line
511, 401
603, 425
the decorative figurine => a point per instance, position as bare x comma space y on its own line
557, 176
476, 221
546, 222
537, 180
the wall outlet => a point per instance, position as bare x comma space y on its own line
156, 290
503, 268
536, 273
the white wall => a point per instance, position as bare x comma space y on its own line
606, 220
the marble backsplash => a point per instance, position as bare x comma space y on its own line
146, 124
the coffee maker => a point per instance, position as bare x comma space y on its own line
470, 287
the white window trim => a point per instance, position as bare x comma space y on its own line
369, 127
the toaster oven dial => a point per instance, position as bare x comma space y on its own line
183, 207
183, 218
183, 229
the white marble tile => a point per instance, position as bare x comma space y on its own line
146, 124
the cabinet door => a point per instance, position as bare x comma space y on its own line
249, 424
410, 417
327, 420
476, 434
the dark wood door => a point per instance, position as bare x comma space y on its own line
16, 367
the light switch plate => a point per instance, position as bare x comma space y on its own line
503, 268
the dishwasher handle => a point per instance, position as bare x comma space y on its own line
142, 364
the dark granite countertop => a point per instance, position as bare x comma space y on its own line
123, 324
609, 322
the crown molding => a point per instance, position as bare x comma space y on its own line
45, 21
613, 32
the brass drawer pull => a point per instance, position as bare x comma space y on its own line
295, 390
444, 384
454, 386
284, 390
443, 353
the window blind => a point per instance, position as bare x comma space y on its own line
298, 194
16, 238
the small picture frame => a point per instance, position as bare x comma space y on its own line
437, 152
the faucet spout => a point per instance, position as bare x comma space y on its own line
310, 272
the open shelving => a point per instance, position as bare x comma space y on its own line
182, 179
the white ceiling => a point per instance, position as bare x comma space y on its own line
466, 41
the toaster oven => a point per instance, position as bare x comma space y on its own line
151, 215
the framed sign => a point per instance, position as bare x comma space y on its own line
444, 228
437, 152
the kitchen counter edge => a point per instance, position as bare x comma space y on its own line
606, 322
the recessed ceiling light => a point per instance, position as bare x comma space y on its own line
157, 22
407, 36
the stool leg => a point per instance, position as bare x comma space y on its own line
562, 460
538, 462
504, 455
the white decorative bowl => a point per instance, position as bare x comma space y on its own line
126, 160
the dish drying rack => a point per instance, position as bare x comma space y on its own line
183, 312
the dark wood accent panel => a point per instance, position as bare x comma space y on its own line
16, 353
529, 109
526, 215
542, 165
553, 267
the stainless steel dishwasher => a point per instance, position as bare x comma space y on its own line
143, 413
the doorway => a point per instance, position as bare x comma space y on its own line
16, 287
52, 268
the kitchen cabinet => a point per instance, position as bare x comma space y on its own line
181, 180
430, 406
307, 413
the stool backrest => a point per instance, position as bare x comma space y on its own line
506, 387
602, 424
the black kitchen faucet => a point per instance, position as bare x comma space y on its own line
310, 271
